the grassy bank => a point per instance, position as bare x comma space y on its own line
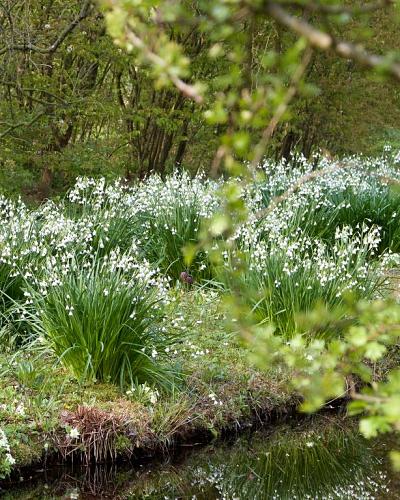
49, 415
111, 344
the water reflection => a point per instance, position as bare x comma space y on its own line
323, 459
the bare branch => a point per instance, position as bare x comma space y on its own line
259, 149
281, 109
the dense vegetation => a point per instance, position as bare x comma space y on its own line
73, 103
86, 296
199, 233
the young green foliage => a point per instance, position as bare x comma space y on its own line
102, 324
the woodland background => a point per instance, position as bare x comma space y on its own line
73, 103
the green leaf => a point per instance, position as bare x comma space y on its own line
219, 224
357, 336
371, 426
356, 407
189, 253
395, 458
374, 351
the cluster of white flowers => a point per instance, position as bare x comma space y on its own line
364, 176
5, 452
43, 246
152, 197
215, 401
144, 393
281, 230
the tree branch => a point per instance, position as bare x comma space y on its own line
336, 9
325, 41
28, 47
281, 109
16, 85
21, 124
186, 89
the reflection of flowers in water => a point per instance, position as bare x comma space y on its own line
260, 466
322, 467
219, 478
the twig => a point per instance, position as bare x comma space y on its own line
186, 89
296, 186
325, 41
29, 47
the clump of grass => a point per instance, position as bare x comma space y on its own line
114, 229
157, 217
279, 284
378, 206
93, 435
168, 233
172, 418
18, 234
102, 325
105, 211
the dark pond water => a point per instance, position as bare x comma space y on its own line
323, 458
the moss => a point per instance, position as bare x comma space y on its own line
26, 454
123, 445
174, 417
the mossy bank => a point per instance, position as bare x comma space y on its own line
49, 416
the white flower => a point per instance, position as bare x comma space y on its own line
74, 433
10, 459
4, 441
20, 409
